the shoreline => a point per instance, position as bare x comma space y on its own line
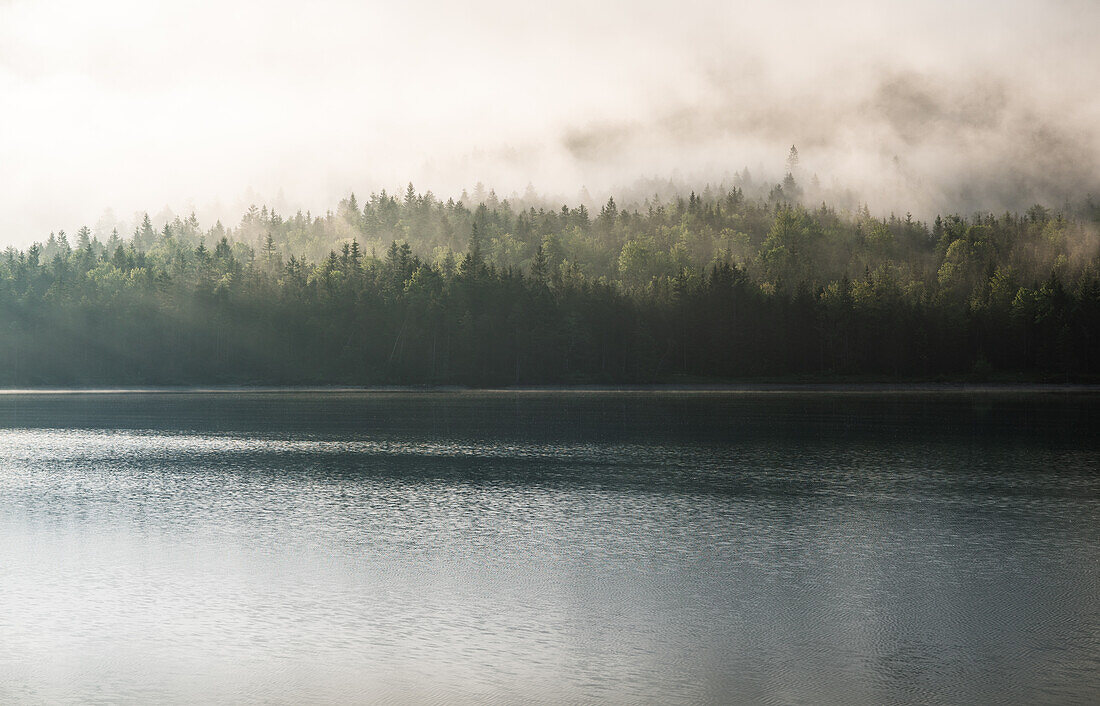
670, 388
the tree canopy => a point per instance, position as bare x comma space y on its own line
415, 290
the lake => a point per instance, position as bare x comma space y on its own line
868, 547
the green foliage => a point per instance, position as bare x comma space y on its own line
415, 290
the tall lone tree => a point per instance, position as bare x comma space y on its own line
792, 160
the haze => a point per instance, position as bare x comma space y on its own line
931, 106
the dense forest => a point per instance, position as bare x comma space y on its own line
411, 289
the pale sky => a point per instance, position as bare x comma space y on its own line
134, 106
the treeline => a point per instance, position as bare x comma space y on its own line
715, 286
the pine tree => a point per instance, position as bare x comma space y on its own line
356, 256
270, 255
540, 268
147, 235
792, 160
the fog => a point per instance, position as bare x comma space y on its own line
922, 107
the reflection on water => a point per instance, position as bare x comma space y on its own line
549, 547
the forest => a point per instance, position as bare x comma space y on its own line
728, 284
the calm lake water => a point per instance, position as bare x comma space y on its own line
637, 547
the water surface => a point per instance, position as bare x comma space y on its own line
637, 547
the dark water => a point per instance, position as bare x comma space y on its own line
550, 547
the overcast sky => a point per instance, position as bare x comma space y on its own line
138, 105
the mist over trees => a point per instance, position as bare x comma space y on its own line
409, 288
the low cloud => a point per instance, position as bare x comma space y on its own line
921, 107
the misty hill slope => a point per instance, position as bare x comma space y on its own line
418, 290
